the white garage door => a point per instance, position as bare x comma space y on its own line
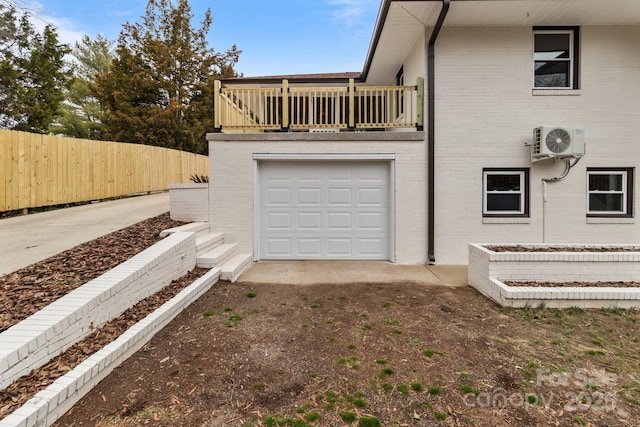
324, 210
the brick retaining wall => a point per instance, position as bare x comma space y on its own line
47, 333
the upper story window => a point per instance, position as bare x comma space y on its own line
505, 192
555, 58
609, 192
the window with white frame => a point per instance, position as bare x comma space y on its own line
555, 58
505, 192
609, 191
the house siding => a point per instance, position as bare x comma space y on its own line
485, 112
231, 195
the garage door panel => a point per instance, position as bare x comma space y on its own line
337, 173
370, 246
339, 196
278, 247
310, 246
310, 221
371, 221
278, 197
304, 175
372, 197
339, 247
340, 221
372, 174
279, 221
324, 210
276, 176
309, 196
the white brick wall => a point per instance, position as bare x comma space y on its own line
486, 110
35, 340
189, 202
231, 198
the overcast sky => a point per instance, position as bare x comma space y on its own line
276, 37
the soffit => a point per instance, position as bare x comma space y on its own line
406, 20
543, 12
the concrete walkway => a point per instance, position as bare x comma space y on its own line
28, 239
345, 272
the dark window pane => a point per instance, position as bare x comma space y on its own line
605, 182
551, 46
503, 182
552, 74
605, 202
503, 202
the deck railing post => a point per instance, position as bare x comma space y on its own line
352, 104
217, 105
420, 103
285, 105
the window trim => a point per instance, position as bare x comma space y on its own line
574, 55
525, 193
627, 192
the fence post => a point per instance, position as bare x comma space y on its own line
352, 104
217, 105
285, 105
420, 102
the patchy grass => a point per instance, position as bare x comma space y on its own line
351, 364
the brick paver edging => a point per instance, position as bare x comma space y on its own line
50, 404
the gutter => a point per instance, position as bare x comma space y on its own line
431, 138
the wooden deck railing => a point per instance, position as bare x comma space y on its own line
304, 108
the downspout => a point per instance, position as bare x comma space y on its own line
431, 83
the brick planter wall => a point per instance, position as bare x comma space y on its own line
51, 403
488, 270
189, 202
34, 341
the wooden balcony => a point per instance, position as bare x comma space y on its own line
318, 109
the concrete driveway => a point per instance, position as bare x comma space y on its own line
28, 239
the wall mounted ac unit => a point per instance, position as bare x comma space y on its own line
557, 142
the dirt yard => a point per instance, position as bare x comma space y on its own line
399, 354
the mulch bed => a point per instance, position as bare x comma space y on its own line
574, 284
29, 289
27, 386
563, 249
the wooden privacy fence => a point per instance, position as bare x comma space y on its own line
42, 170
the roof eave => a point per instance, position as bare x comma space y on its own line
377, 32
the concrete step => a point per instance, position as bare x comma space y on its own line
217, 256
193, 227
237, 265
208, 241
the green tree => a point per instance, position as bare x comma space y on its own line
32, 73
159, 89
80, 113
